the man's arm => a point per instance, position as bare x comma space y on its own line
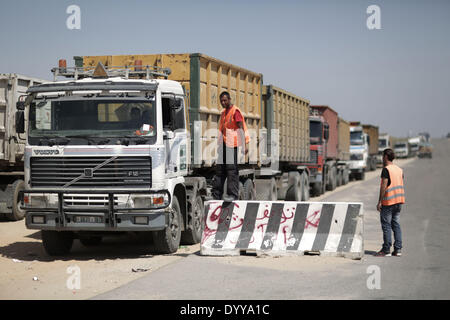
383, 187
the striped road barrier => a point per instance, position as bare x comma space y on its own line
283, 228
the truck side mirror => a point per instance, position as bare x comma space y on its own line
20, 105
175, 103
326, 133
20, 121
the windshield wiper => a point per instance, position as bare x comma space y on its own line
90, 140
52, 140
139, 139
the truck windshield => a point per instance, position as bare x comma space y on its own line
400, 145
382, 143
92, 117
356, 138
315, 132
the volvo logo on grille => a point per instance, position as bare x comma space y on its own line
46, 152
133, 173
88, 173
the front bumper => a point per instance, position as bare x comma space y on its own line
357, 165
96, 218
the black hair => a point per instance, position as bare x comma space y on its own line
224, 93
389, 153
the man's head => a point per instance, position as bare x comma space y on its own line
388, 156
225, 99
135, 113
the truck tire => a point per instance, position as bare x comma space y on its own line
249, 190
339, 179
361, 175
346, 177
305, 187
57, 243
332, 185
16, 213
294, 193
241, 191
193, 232
91, 241
168, 240
317, 189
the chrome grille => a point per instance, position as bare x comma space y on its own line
82, 172
91, 201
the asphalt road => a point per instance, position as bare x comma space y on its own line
423, 272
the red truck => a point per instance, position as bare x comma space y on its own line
329, 149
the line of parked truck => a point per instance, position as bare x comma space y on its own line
76, 166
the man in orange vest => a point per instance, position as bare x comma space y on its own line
232, 134
392, 196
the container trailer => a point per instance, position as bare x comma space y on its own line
12, 144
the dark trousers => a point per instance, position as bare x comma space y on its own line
226, 168
390, 222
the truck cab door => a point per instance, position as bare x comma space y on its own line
175, 135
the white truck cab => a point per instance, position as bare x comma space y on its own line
401, 149
359, 152
384, 142
108, 151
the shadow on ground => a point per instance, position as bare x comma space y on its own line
121, 247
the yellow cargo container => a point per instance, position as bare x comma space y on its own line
290, 115
344, 140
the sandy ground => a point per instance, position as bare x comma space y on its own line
27, 272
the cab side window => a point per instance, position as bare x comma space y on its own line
173, 113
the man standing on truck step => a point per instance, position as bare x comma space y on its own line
232, 134
392, 196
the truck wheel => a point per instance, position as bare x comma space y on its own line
305, 187
168, 240
91, 241
273, 192
317, 189
361, 175
16, 213
346, 177
193, 233
294, 192
57, 243
339, 179
241, 191
249, 190
332, 185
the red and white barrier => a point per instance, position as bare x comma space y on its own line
283, 228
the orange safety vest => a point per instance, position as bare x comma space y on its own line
395, 193
230, 130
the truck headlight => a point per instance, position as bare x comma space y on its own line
151, 201
40, 201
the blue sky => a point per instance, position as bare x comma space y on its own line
397, 78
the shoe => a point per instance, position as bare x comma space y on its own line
397, 253
382, 253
